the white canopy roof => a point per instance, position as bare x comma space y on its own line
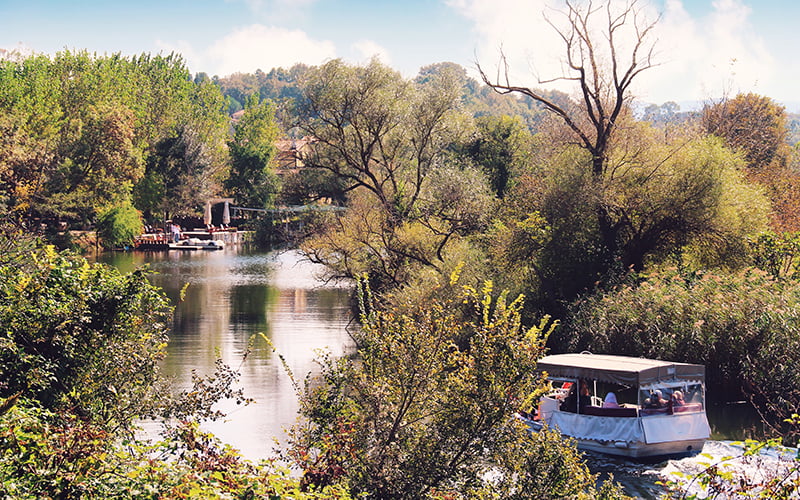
622, 370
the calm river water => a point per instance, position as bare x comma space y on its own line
237, 292
233, 294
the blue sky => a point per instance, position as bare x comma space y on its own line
706, 48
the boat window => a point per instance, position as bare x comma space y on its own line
625, 396
672, 398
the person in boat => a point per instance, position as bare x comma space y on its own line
656, 400
577, 400
610, 401
677, 398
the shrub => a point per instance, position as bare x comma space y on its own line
744, 327
119, 225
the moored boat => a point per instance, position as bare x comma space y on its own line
624, 406
197, 244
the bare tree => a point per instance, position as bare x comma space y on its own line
603, 70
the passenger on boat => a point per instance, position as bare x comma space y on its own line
574, 403
655, 400
677, 398
610, 401
570, 402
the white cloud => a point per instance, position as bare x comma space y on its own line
367, 49
708, 57
262, 47
700, 57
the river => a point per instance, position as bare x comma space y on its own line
233, 294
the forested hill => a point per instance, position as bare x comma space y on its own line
280, 85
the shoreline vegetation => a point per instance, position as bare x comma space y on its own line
471, 210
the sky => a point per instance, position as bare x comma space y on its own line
705, 49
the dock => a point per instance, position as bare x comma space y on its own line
162, 242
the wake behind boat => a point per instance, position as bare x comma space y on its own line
649, 407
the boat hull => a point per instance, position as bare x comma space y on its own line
632, 450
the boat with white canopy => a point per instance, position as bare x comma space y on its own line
624, 406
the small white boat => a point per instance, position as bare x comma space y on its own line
659, 407
197, 244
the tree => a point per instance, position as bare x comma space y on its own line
251, 179
387, 141
426, 409
119, 225
603, 75
376, 130
753, 124
500, 148
79, 130
99, 162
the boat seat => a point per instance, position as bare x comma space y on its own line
655, 411
609, 412
687, 408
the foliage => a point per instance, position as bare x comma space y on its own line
384, 138
119, 225
753, 124
79, 130
684, 196
81, 337
742, 326
44, 456
606, 47
778, 475
685, 193
425, 410
251, 180
500, 149
776, 253
375, 129
79, 355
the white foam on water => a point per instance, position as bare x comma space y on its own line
729, 456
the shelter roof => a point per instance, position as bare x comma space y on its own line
622, 370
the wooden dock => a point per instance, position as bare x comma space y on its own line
162, 242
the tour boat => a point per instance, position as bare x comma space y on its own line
659, 408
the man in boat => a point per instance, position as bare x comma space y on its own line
575, 403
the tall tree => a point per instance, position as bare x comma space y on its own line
753, 124
375, 129
251, 179
603, 73
386, 139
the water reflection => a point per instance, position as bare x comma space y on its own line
229, 296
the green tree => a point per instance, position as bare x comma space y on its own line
425, 411
79, 130
376, 130
602, 72
252, 180
119, 225
386, 139
500, 148
753, 124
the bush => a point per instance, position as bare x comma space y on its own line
426, 409
744, 327
119, 225
80, 337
